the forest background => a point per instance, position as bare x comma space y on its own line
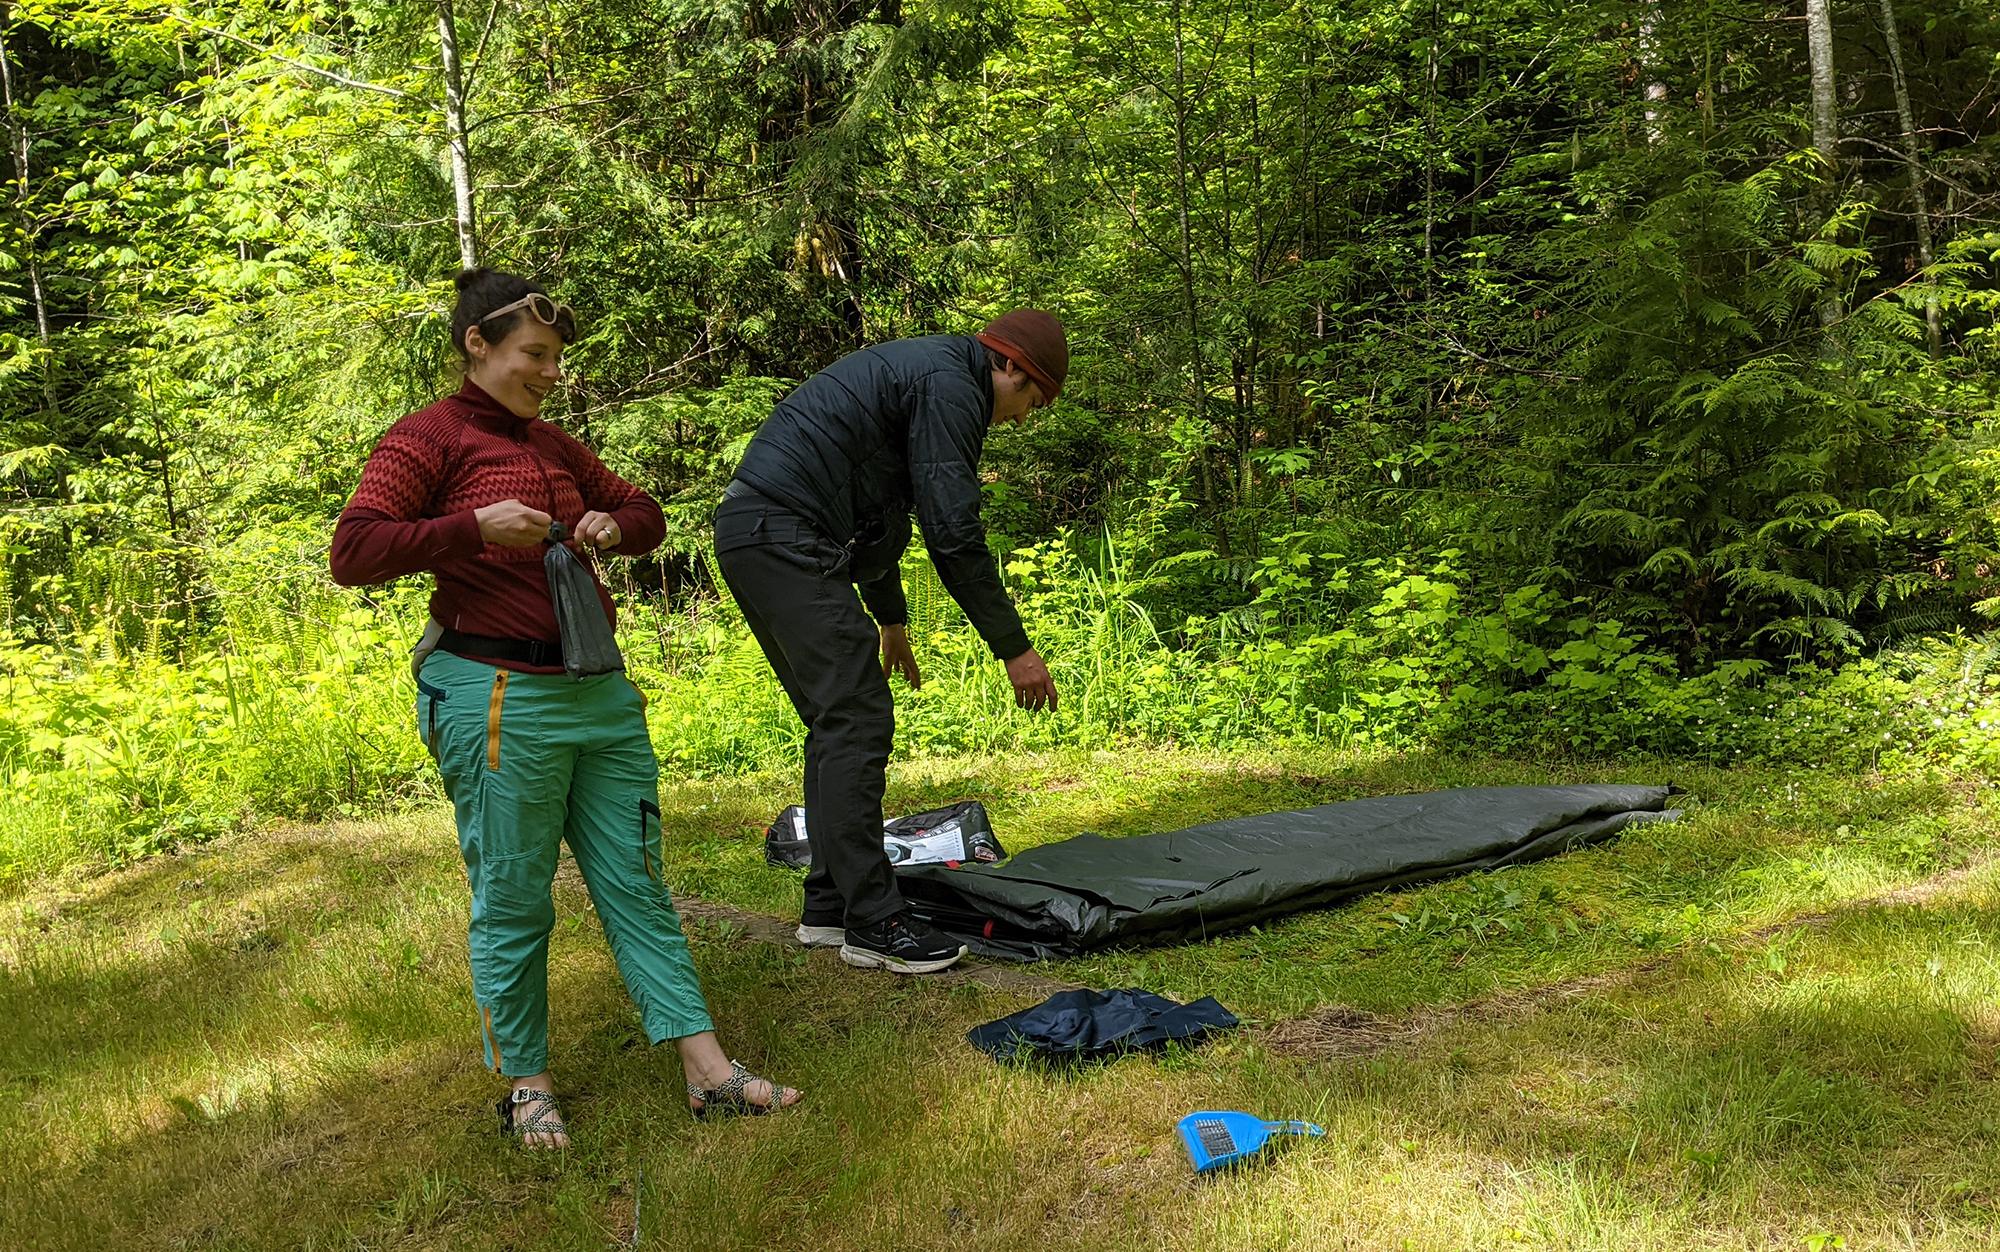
1613, 378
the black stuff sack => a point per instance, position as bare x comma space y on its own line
588, 645
1082, 1025
946, 836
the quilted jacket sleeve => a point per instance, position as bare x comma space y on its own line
947, 431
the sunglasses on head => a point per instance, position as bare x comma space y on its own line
544, 310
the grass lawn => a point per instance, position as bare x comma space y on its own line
268, 1043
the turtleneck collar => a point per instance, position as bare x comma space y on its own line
488, 412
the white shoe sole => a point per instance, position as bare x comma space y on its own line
865, 958
822, 936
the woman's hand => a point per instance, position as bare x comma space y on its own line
599, 531
897, 657
512, 524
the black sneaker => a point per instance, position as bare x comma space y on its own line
901, 945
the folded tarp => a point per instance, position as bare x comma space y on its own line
1067, 898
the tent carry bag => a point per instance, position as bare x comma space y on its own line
588, 645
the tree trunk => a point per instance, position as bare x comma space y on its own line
1308, 185
1649, 67
1257, 246
454, 124
1430, 155
1910, 153
1819, 45
1826, 129
1193, 306
166, 468
17, 132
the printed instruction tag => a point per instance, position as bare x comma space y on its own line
940, 844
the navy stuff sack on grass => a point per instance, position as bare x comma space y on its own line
946, 836
588, 645
1088, 892
1079, 1025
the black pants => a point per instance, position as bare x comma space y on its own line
793, 588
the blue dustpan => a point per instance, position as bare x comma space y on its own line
1217, 1140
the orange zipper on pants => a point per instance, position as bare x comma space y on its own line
493, 719
492, 1040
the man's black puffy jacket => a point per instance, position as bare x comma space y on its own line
881, 431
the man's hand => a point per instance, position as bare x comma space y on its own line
512, 524
1033, 688
599, 531
897, 657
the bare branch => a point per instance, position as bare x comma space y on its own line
342, 79
479, 53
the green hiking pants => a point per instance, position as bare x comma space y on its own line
530, 760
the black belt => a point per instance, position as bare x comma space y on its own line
484, 647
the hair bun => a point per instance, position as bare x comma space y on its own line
482, 290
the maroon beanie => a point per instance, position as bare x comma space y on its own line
1033, 340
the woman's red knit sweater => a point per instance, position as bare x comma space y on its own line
414, 512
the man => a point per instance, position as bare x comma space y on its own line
822, 503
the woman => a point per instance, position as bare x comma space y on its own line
467, 489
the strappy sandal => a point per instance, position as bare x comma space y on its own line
530, 1112
729, 1097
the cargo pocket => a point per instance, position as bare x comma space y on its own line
646, 839
834, 560
493, 705
428, 699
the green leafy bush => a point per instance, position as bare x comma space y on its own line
301, 705
109, 752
